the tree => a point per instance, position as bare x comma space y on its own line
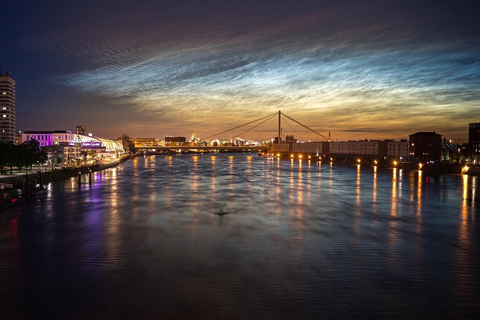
23, 155
5, 154
31, 153
57, 160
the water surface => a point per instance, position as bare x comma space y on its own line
299, 241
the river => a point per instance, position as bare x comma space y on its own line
244, 237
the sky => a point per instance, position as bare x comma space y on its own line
366, 69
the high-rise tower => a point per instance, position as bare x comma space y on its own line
474, 139
7, 107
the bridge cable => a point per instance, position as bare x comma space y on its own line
273, 115
321, 135
293, 129
256, 139
250, 122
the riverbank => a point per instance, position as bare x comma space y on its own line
30, 180
435, 168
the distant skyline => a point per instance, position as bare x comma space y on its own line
360, 69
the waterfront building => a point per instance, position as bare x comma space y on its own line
175, 141
281, 147
7, 107
398, 150
313, 148
316, 148
291, 145
474, 139
290, 139
364, 149
134, 144
96, 149
425, 147
48, 138
66, 152
88, 148
238, 142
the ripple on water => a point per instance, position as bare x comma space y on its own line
147, 241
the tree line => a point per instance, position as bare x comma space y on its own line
21, 156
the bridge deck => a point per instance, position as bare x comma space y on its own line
239, 148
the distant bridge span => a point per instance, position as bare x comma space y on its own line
210, 148
150, 145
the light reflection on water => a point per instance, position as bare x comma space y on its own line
301, 240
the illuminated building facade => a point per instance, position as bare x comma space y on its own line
363, 148
48, 138
70, 146
64, 151
175, 141
7, 107
314, 148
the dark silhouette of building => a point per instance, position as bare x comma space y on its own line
81, 129
425, 146
474, 139
290, 139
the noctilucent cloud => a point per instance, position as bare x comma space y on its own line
360, 69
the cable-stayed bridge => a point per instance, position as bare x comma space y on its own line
246, 127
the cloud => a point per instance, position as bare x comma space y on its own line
363, 75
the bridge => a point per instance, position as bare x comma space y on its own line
152, 145
203, 148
